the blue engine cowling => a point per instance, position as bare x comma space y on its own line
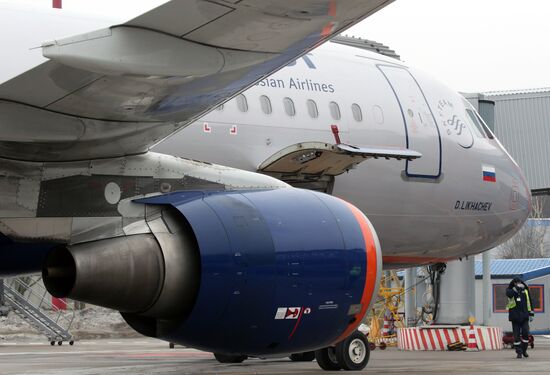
281, 271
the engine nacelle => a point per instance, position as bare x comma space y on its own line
266, 272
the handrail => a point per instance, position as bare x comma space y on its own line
33, 300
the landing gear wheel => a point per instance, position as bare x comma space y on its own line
326, 359
302, 357
60, 343
353, 353
71, 343
52, 343
230, 358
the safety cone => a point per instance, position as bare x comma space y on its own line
472, 343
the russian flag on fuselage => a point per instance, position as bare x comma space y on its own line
489, 173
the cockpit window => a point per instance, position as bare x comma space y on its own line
474, 124
488, 131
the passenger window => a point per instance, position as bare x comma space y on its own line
242, 104
312, 109
378, 114
357, 113
474, 123
290, 109
266, 105
335, 111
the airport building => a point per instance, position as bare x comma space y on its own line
522, 124
535, 272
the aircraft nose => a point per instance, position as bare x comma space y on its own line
522, 196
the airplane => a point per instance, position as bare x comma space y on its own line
286, 173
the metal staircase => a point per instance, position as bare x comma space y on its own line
30, 300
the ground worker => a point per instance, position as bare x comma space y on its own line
520, 313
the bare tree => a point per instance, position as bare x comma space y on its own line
529, 241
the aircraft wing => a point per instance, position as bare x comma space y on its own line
120, 90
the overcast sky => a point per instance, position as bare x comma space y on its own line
472, 45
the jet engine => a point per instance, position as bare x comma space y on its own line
261, 273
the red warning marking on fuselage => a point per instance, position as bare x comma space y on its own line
207, 128
233, 130
58, 4
336, 133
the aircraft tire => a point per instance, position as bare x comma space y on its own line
230, 358
326, 359
353, 353
302, 357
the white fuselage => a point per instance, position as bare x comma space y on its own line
435, 207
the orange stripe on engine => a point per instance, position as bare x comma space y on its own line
370, 277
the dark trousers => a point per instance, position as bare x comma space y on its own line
521, 336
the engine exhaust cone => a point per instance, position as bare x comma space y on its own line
125, 273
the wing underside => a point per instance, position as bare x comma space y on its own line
118, 91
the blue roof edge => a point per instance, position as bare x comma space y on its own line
526, 275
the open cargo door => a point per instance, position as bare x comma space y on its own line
313, 165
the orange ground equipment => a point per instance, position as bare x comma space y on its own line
386, 310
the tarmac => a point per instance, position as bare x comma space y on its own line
148, 356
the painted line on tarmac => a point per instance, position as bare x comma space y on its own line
151, 353
47, 343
